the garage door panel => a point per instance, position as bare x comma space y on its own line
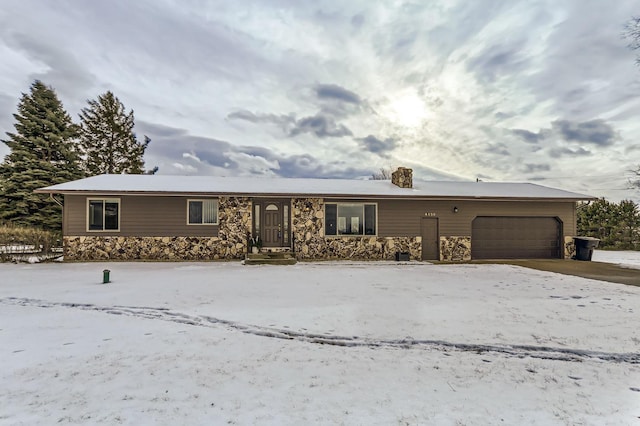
496, 237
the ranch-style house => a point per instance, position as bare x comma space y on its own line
155, 217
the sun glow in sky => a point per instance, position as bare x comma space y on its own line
408, 109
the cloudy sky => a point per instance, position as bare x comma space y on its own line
519, 90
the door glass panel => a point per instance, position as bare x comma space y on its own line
271, 207
256, 218
285, 224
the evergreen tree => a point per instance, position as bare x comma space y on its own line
43, 152
597, 219
108, 142
628, 225
616, 225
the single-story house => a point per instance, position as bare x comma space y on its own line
155, 217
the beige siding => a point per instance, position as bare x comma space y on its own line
65, 215
140, 216
402, 217
166, 216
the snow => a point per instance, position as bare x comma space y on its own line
323, 343
628, 259
30, 253
19, 248
215, 185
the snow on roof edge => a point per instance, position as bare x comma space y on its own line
170, 184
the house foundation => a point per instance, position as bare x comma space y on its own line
89, 248
455, 249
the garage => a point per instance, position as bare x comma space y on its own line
500, 237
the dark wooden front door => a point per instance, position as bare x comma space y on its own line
272, 232
430, 238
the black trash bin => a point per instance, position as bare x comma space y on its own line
584, 247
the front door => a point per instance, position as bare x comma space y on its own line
272, 232
430, 238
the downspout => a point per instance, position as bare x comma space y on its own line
54, 200
62, 207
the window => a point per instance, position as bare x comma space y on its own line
350, 219
103, 214
202, 212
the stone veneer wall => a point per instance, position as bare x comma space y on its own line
307, 227
151, 248
455, 249
403, 177
309, 242
569, 247
234, 219
371, 248
234, 222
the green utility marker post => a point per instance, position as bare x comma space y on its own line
105, 276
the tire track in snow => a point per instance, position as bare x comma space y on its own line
166, 314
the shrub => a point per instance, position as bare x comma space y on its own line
22, 244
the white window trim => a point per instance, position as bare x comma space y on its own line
324, 210
204, 199
104, 200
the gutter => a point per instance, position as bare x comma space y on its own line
330, 196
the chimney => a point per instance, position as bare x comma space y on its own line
402, 177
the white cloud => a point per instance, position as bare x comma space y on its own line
446, 81
254, 164
191, 156
186, 168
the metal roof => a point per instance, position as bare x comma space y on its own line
340, 188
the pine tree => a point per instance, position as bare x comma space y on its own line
108, 141
616, 225
629, 225
43, 152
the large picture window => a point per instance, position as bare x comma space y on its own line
350, 219
103, 214
202, 212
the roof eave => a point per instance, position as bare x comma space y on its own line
317, 195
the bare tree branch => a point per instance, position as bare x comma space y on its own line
383, 174
635, 182
632, 33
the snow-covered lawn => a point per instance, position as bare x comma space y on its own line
629, 259
316, 343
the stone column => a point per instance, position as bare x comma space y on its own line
455, 249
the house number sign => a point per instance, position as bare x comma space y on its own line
430, 214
